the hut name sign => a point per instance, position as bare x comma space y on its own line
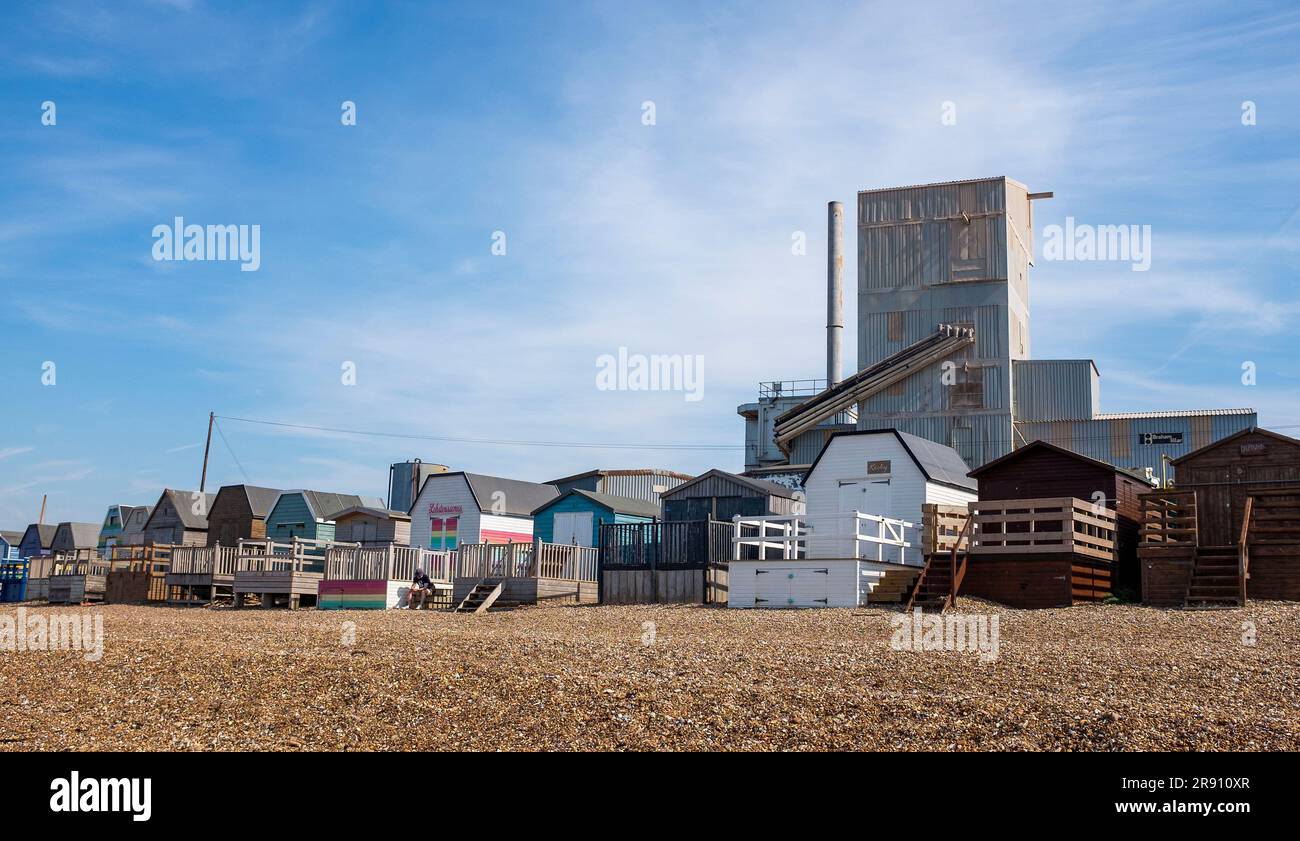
1253, 448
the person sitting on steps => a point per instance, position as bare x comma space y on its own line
421, 585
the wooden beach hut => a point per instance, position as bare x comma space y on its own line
179, 518
113, 532
575, 518
11, 545
719, 495
309, 515
13, 568
133, 525
372, 527
1229, 528
239, 512
455, 509
37, 547
1052, 527
79, 574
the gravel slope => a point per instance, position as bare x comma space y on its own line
1082, 678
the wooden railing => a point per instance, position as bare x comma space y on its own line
670, 544
301, 555
69, 566
152, 553
569, 563
787, 537
1169, 518
388, 563
527, 560
495, 560
1243, 547
960, 547
943, 528
1031, 526
205, 560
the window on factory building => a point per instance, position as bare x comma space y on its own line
896, 327
968, 391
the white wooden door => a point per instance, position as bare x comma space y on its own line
574, 528
791, 587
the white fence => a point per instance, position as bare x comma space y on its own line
846, 535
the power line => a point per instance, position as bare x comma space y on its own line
232, 453
499, 442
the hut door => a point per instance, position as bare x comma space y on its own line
870, 496
574, 528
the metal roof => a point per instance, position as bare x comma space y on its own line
938, 463
1190, 413
617, 504
946, 184
382, 513
761, 485
517, 497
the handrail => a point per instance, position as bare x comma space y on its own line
1243, 549
958, 573
793, 533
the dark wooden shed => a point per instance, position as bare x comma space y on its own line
719, 495
1197, 536
239, 512
1058, 527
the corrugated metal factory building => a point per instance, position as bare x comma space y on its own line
955, 257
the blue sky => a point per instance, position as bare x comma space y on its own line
670, 238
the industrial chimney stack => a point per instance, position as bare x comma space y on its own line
834, 292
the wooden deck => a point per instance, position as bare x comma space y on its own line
201, 574
137, 574
278, 573
530, 573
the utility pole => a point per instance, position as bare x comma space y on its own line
41, 521
203, 478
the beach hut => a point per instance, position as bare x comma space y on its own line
372, 527
453, 509
36, 546
11, 545
133, 526
76, 541
113, 532
13, 568
575, 517
1053, 527
870, 496
179, 518
79, 572
1229, 528
643, 483
719, 495
239, 512
310, 514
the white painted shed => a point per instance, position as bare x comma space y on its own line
883, 472
885, 476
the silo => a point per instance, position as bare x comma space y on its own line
405, 479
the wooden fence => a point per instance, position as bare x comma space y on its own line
1032, 526
301, 555
943, 528
527, 560
674, 544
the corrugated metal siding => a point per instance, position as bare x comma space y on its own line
1054, 389
1117, 441
911, 236
638, 486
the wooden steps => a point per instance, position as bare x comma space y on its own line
934, 585
1216, 578
894, 586
485, 595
